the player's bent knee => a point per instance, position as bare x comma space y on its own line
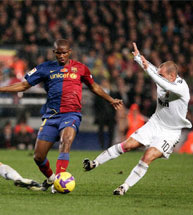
68, 139
150, 155
147, 159
38, 158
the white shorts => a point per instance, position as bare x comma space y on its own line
152, 134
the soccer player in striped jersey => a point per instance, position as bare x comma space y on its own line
61, 114
163, 130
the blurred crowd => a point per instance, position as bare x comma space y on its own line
101, 34
21, 136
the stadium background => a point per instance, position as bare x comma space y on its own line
101, 33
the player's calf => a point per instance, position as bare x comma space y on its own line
109, 154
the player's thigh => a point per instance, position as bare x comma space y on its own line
49, 130
130, 144
47, 135
145, 134
67, 135
69, 127
166, 142
70, 120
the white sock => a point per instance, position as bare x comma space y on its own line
109, 154
9, 173
51, 178
136, 174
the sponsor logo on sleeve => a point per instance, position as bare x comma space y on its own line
31, 72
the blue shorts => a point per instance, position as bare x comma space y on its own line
51, 127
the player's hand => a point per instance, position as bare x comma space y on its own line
117, 103
144, 62
136, 51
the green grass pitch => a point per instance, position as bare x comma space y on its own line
167, 188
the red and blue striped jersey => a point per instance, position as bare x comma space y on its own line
63, 85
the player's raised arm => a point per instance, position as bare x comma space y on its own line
17, 87
136, 51
116, 103
161, 76
137, 58
165, 77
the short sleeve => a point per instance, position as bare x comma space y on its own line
87, 77
35, 76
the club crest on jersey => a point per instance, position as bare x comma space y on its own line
64, 70
32, 71
74, 69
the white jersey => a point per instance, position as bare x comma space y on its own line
172, 99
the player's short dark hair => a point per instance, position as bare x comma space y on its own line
170, 66
62, 42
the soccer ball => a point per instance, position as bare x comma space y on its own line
64, 182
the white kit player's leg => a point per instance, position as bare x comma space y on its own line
136, 174
9, 173
109, 154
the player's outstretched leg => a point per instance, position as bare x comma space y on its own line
136, 174
9, 173
28, 183
109, 154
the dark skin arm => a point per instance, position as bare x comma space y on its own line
18, 87
96, 89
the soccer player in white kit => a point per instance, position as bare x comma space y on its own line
9, 173
163, 130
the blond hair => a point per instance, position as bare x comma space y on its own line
170, 66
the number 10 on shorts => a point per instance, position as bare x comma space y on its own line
165, 146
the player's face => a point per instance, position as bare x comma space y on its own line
163, 72
62, 54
